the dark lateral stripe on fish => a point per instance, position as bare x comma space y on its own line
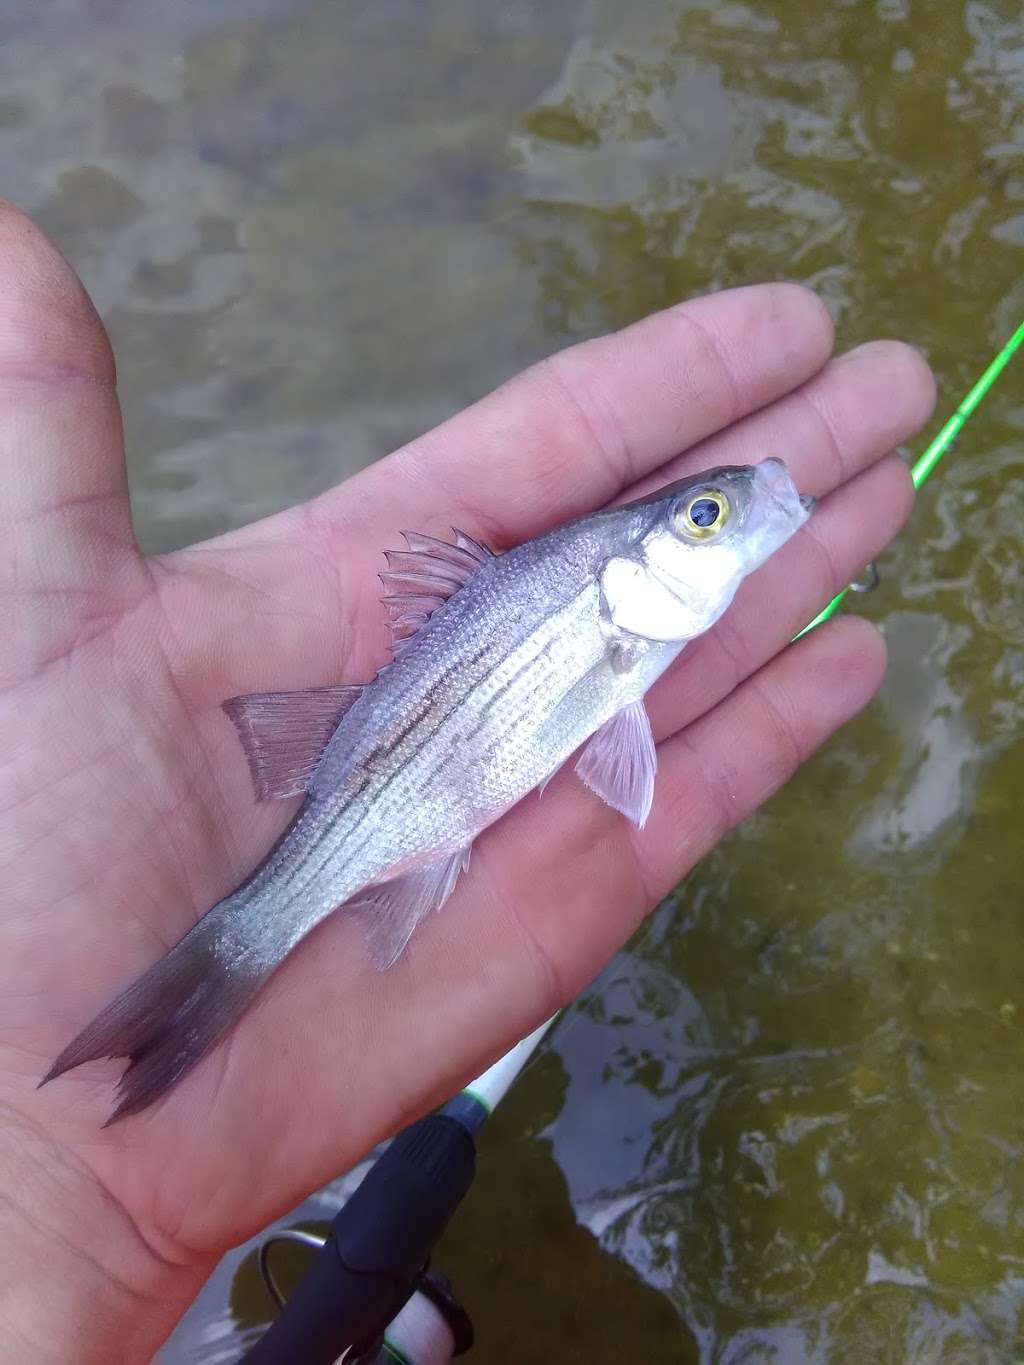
484, 712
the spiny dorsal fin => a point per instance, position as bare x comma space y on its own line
422, 577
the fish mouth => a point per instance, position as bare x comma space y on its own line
774, 479
808, 502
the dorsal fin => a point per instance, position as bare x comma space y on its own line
422, 577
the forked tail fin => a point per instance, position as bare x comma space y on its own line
170, 1017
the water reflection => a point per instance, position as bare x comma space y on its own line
934, 782
293, 217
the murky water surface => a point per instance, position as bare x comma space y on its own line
786, 1125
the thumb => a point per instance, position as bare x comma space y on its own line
68, 557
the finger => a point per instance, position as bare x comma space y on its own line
59, 421
721, 768
572, 431
859, 407
64, 514
565, 436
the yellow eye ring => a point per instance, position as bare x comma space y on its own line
705, 514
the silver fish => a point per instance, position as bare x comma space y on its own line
504, 666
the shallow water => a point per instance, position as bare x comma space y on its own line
785, 1126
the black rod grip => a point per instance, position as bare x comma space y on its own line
376, 1249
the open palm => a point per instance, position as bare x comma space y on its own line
127, 806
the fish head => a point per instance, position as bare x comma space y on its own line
700, 538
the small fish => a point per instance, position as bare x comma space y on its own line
504, 665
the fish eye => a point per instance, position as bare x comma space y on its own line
704, 515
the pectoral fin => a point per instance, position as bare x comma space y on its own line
620, 761
394, 908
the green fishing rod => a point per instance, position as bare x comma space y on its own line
923, 466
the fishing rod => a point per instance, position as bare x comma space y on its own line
938, 447
369, 1297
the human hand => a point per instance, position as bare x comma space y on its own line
128, 809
